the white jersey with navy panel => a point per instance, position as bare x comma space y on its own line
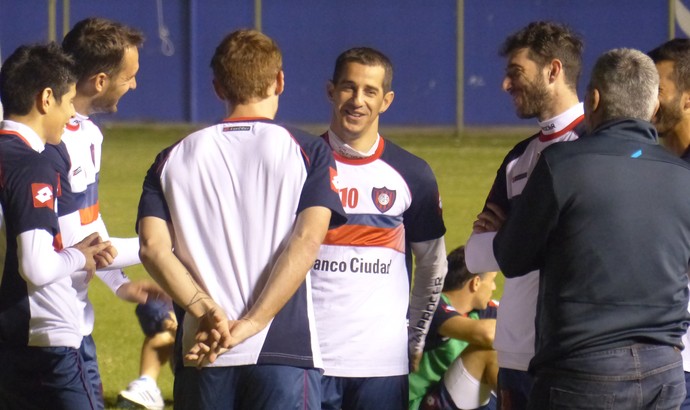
515, 332
78, 160
361, 278
232, 192
38, 305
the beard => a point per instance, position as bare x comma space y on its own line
107, 102
668, 116
533, 99
104, 105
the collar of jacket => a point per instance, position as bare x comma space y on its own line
628, 128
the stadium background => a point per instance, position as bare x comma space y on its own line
448, 71
449, 107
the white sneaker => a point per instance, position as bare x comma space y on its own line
142, 393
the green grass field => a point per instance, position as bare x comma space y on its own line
465, 168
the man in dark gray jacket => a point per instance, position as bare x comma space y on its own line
606, 220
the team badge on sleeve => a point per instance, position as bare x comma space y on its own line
43, 195
383, 198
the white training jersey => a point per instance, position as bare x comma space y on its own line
78, 160
361, 277
232, 192
38, 305
515, 332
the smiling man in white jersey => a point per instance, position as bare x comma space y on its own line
544, 63
361, 278
107, 58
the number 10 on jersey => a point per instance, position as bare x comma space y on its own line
349, 197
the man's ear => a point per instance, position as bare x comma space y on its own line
98, 82
555, 69
44, 100
685, 98
280, 82
387, 101
656, 108
330, 89
474, 283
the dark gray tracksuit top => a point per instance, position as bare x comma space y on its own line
606, 220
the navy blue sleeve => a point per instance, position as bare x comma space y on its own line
424, 218
521, 242
58, 157
443, 312
319, 189
29, 200
152, 201
499, 190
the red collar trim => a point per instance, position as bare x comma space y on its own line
358, 161
548, 137
5, 132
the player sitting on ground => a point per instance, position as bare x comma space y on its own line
459, 343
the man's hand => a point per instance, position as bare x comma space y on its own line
96, 252
141, 291
243, 329
489, 220
106, 257
212, 337
209, 346
415, 358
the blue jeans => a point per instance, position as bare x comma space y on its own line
39, 378
365, 393
641, 376
259, 387
514, 387
686, 402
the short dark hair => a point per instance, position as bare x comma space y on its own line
458, 274
98, 45
30, 70
546, 41
365, 56
677, 51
